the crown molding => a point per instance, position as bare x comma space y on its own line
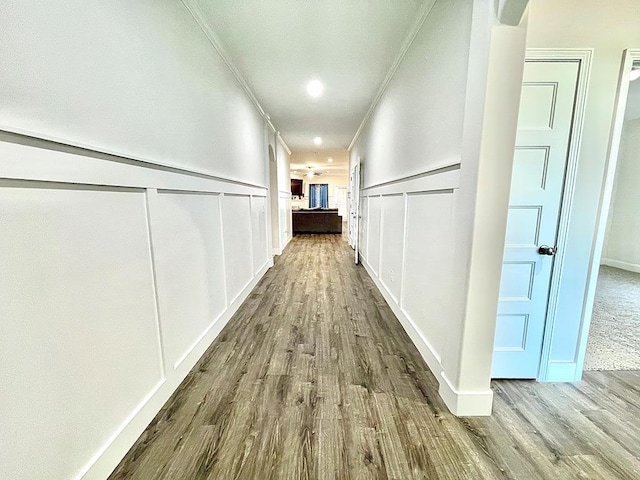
424, 12
283, 143
199, 17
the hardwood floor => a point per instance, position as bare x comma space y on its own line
314, 378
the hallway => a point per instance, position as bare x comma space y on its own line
314, 378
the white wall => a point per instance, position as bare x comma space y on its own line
117, 274
622, 248
419, 120
284, 196
584, 24
423, 157
137, 79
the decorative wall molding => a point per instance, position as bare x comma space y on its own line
383, 263
117, 446
29, 165
283, 143
439, 178
430, 356
39, 160
424, 12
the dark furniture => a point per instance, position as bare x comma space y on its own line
317, 221
297, 189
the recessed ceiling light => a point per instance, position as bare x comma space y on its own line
310, 174
317, 141
315, 88
330, 159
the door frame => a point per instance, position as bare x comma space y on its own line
354, 208
584, 57
628, 57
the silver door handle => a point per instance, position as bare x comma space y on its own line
547, 250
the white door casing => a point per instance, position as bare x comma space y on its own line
354, 208
540, 160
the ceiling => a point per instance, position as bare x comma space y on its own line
317, 161
278, 46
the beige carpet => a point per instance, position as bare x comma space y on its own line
614, 338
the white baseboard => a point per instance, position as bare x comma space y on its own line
631, 267
462, 404
465, 404
278, 251
110, 455
289, 238
426, 351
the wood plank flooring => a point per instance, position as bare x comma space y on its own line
314, 378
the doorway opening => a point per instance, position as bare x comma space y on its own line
614, 335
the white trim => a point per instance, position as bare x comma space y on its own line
630, 267
111, 453
252, 252
115, 156
428, 353
289, 238
37, 161
437, 169
283, 143
424, 12
583, 56
628, 58
442, 179
87, 470
465, 404
460, 403
225, 287
151, 199
403, 260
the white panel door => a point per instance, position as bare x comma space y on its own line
354, 184
544, 129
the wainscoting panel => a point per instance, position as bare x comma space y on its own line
374, 224
78, 329
286, 231
392, 243
259, 231
189, 264
116, 277
428, 265
363, 237
406, 246
238, 243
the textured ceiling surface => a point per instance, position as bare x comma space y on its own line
280, 45
318, 161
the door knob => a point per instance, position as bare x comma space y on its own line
547, 250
